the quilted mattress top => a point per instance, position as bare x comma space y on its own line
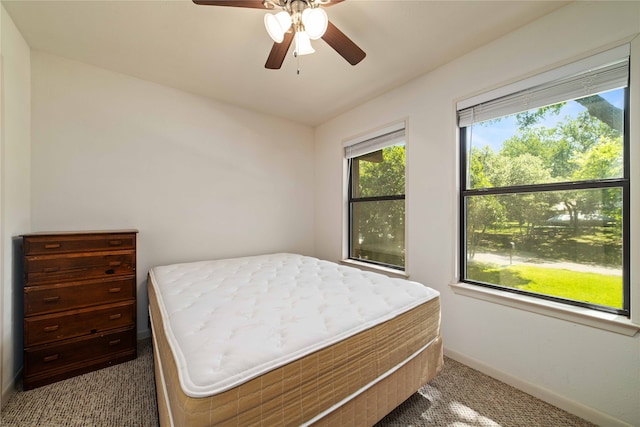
229, 321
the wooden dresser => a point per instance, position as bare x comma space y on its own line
79, 303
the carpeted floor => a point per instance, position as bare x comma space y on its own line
124, 396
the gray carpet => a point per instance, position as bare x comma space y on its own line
124, 395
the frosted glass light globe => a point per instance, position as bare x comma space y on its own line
315, 22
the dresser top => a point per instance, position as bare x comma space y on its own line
84, 232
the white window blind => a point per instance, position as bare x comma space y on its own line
374, 144
609, 76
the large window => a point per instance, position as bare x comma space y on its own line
376, 200
545, 190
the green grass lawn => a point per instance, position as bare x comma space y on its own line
589, 287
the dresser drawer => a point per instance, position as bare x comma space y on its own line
54, 268
52, 327
66, 296
39, 245
78, 351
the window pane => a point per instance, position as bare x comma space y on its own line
378, 231
380, 173
571, 141
565, 244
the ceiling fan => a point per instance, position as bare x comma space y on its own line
299, 20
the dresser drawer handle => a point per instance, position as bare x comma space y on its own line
114, 290
51, 328
114, 342
51, 299
109, 271
51, 358
115, 316
115, 263
52, 245
115, 242
50, 269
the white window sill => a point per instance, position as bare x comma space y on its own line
584, 316
392, 272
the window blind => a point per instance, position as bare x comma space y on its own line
374, 144
596, 80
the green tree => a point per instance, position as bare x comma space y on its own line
482, 212
576, 149
382, 172
480, 166
602, 160
379, 226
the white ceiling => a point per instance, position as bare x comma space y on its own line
219, 52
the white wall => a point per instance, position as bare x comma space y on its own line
588, 371
198, 179
14, 192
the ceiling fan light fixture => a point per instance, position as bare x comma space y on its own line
303, 44
284, 19
274, 29
277, 25
315, 22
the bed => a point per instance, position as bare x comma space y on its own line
285, 339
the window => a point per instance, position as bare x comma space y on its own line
545, 188
376, 199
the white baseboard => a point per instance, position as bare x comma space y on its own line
144, 334
10, 390
571, 406
6, 395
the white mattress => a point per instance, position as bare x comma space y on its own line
232, 320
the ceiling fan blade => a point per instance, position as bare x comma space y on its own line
343, 45
279, 52
331, 3
253, 4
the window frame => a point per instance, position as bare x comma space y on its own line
352, 201
623, 183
